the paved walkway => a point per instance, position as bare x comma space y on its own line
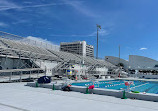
17, 97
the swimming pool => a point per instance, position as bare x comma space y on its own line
141, 86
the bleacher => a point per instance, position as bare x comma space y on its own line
78, 59
15, 46
66, 56
28, 51
22, 46
4, 51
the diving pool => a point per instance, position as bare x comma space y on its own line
141, 86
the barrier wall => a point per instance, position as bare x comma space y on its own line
100, 91
117, 93
49, 86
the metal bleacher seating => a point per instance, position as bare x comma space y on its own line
22, 49
28, 51
66, 56
78, 59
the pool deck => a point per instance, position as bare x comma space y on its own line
18, 97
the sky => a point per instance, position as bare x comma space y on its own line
132, 24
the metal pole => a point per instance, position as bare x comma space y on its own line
41, 44
45, 70
30, 75
119, 55
20, 76
10, 76
97, 44
119, 60
37, 73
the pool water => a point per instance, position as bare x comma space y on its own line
141, 86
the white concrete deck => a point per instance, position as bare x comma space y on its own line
16, 96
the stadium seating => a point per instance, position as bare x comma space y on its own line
28, 51
17, 48
66, 56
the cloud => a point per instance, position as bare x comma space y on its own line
2, 24
101, 32
43, 5
40, 42
71, 35
143, 48
20, 21
5, 5
27, 2
80, 7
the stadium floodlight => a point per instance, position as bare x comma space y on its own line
98, 27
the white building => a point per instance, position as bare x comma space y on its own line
79, 47
135, 62
116, 60
144, 63
143, 67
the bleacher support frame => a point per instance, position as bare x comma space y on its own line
14, 49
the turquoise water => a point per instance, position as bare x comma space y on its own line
141, 86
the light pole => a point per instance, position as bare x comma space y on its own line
119, 55
98, 27
119, 62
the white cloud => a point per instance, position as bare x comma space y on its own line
27, 2
2, 24
43, 5
71, 35
6, 5
20, 21
44, 43
143, 48
80, 7
101, 32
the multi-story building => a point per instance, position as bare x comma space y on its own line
79, 47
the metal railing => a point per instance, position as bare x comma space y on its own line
19, 74
30, 40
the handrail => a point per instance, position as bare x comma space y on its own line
17, 70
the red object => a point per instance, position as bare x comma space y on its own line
69, 85
126, 83
91, 87
119, 75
